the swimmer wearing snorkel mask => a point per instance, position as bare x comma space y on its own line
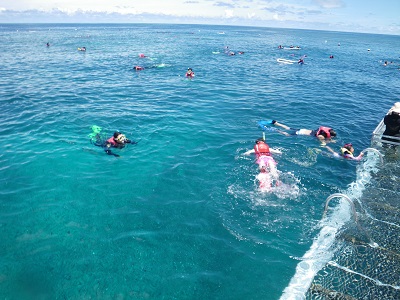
118, 140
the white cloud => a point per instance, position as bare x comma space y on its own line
126, 10
317, 14
329, 3
229, 13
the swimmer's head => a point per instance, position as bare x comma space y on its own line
119, 137
260, 140
332, 132
190, 69
348, 146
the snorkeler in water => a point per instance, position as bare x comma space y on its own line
324, 134
141, 68
266, 164
347, 152
118, 140
189, 73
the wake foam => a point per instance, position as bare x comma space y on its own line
318, 255
322, 249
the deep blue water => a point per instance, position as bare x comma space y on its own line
179, 215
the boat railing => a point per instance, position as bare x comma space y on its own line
339, 195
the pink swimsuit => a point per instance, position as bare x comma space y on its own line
265, 160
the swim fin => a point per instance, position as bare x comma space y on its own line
265, 122
264, 125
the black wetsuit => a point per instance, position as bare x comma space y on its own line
106, 145
392, 123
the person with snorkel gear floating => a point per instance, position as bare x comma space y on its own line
118, 140
347, 152
266, 163
323, 134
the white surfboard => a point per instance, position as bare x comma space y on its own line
286, 61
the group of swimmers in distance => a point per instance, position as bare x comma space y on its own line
269, 176
230, 52
301, 60
291, 47
189, 73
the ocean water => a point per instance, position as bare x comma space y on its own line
179, 215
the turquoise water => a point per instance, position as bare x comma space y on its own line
179, 215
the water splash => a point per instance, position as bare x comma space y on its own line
322, 249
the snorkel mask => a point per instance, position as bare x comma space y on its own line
120, 139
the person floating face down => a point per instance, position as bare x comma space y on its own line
266, 164
323, 133
118, 140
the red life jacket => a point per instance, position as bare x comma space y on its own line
112, 141
261, 148
324, 129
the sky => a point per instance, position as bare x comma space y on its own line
369, 16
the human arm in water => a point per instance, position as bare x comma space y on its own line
108, 150
359, 157
335, 154
346, 156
